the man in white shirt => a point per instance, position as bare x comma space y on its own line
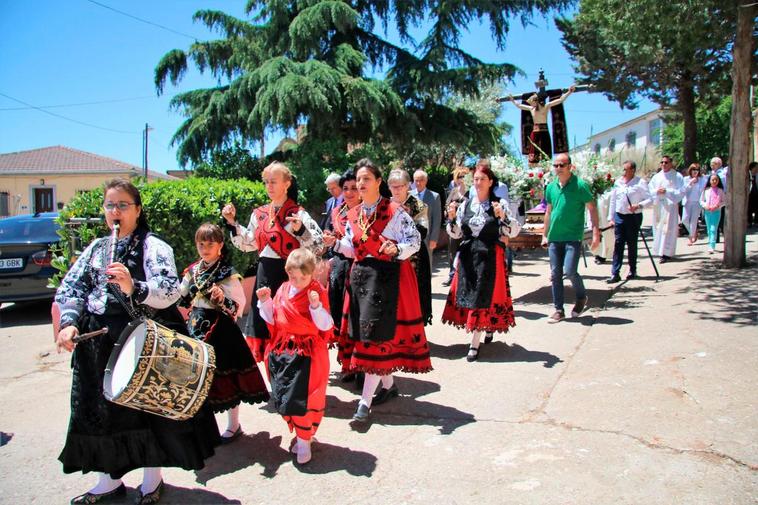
666, 191
625, 215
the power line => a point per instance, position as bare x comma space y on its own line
68, 118
142, 20
116, 100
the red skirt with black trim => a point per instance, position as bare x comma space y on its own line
408, 351
499, 317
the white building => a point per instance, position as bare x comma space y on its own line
638, 139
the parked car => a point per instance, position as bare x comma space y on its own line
25, 257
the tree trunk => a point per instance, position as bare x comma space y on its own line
687, 108
739, 137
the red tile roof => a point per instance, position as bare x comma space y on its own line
65, 160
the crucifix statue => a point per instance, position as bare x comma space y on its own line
535, 136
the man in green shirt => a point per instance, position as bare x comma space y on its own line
566, 198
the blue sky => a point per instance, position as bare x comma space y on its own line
95, 66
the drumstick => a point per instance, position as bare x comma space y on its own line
87, 336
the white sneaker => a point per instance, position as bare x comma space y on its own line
711, 250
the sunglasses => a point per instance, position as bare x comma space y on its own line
560, 165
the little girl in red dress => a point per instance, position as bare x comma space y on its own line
296, 355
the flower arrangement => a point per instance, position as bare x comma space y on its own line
598, 173
528, 183
524, 183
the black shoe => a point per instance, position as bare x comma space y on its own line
447, 282
631, 275
614, 279
488, 337
473, 354
102, 497
665, 259
385, 394
347, 377
599, 260
234, 436
361, 415
149, 498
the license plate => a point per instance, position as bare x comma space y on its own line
8, 263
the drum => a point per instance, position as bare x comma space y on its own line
157, 370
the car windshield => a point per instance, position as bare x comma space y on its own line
27, 228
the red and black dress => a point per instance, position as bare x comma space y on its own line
479, 300
384, 322
338, 275
237, 378
271, 235
297, 356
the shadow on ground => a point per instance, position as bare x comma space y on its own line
496, 352
248, 450
402, 411
25, 313
732, 291
183, 495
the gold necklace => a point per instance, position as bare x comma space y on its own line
364, 223
272, 214
196, 273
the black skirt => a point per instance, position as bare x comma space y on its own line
106, 437
338, 274
270, 274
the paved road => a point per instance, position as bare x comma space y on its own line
649, 397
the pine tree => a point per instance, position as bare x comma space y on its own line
308, 61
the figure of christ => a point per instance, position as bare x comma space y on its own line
539, 139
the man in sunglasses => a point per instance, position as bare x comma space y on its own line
666, 191
567, 196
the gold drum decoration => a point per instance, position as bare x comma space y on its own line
157, 370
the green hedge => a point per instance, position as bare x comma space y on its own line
174, 210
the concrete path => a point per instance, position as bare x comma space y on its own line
649, 397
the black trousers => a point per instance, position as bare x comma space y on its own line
626, 229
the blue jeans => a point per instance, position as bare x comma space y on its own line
564, 261
712, 219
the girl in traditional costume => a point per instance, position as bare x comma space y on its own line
296, 355
275, 230
115, 281
480, 295
384, 321
399, 182
340, 269
213, 289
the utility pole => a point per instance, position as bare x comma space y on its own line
144, 144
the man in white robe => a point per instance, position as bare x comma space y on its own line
666, 191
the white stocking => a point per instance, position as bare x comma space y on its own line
369, 388
475, 339
151, 477
233, 419
105, 484
303, 450
387, 381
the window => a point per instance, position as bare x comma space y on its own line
655, 131
612, 144
597, 148
631, 138
5, 203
